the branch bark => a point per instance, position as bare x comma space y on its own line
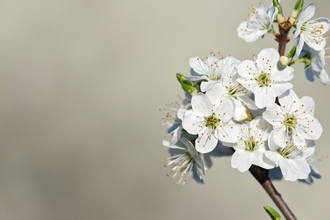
282, 38
261, 176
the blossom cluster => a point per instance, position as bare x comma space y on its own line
248, 109
309, 35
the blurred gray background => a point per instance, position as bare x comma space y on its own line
81, 87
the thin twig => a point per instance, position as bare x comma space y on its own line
283, 38
261, 176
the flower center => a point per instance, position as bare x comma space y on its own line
290, 121
180, 165
214, 77
232, 90
212, 121
314, 29
250, 144
289, 151
263, 79
284, 152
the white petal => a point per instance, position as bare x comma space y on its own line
280, 88
309, 151
228, 132
298, 138
200, 67
303, 168
168, 144
318, 61
256, 158
247, 68
274, 115
248, 34
216, 93
323, 77
282, 75
205, 144
181, 112
289, 169
299, 45
201, 105
264, 97
273, 156
192, 122
176, 135
206, 86
311, 126
304, 106
241, 160
280, 136
239, 110
191, 149
249, 83
307, 13
287, 99
267, 59
225, 109
248, 102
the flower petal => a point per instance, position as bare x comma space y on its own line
201, 105
241, 160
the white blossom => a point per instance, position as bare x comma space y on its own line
251, 146
184, 161
264, 77
310, 31
260, 22
291, 159
293, 119
211, 122
174, 113
211, 70
229, 86
317, 66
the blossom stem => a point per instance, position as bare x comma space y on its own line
300, 60
282, 40
261, 176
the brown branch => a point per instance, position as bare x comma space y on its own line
261, 176
282, 38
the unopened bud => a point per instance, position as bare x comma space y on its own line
296, 11
279, 16
245, 115
284, 61
187, 85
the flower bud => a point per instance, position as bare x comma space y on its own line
284, 61
296, 11
187, 85
279, 16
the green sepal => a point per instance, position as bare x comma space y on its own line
272, 213
296, 11
306, 59
298, 6
279, 16
187, 85
278, 6
292, 53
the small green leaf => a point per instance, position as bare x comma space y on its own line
299, 5
279, 17
187, 85
292, 52
278, 6
296, 11
272, 213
